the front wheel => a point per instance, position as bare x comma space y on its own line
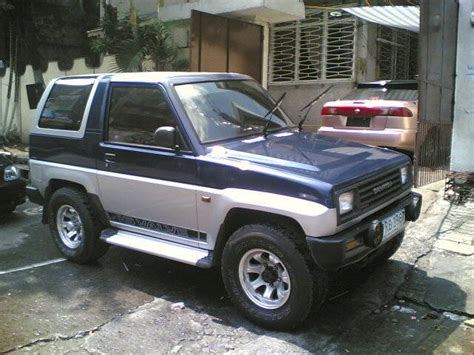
267, 276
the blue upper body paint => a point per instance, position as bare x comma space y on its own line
287, 162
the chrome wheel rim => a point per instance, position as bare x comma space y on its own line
264, 278
69, 226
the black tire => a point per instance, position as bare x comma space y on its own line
307, 288
388, 250
91, 247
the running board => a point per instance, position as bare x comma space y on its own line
158, 247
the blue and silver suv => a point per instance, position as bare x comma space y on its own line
207, 170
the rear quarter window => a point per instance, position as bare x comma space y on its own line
66, 103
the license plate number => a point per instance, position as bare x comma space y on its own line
393, 224
358, 122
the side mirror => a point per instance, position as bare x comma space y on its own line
166, 137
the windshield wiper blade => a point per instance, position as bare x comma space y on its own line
271, 112
310, 106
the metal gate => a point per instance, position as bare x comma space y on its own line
221, 44
437, 64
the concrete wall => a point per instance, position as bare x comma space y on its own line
23, 114
462, 153
299, 95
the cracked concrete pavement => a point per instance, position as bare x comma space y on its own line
420, 301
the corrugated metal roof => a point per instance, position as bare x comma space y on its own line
403, 17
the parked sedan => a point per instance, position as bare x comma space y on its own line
381, 113
12, 186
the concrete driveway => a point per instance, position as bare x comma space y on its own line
421, 301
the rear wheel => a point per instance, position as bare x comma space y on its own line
74, 226
268, 278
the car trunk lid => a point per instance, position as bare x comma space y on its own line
362, 114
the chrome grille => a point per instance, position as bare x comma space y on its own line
374, 191
379, 189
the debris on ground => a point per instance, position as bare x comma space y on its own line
177, 306
431, 315
454, 317
469, 322
126, 267
402, 309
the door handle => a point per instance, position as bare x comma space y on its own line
110, 158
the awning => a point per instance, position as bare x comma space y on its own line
403, 17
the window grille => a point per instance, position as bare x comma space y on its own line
319, 48
397, 54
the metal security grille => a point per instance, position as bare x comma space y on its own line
397, 54
319, 48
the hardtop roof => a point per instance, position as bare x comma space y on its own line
157, 77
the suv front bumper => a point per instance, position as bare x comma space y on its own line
350, 246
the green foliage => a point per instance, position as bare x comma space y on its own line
147, 46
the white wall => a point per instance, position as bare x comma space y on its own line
24, 115
462, 153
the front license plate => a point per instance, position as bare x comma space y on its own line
393, 224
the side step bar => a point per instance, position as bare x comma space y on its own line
158, 247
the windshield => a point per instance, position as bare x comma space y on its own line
228, 109
383, 94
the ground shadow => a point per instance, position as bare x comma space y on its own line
359, 316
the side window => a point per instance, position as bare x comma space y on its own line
135, 113
66, 103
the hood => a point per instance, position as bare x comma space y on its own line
331, 160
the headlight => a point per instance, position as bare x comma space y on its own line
404, 175
11, 173
346, 202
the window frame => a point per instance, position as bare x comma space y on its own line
79, 134
105, 137
298, 25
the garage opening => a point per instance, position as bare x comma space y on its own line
429, 56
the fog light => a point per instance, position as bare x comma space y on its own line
374, 235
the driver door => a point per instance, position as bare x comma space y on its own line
146, 188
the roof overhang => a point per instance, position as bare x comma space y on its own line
402, 17
271, 11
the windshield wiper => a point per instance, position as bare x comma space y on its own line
271, 112
310, 106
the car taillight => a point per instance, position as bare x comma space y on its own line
354, 111
366, 111
400, 112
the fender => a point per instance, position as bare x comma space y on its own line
214, 205
42, 172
